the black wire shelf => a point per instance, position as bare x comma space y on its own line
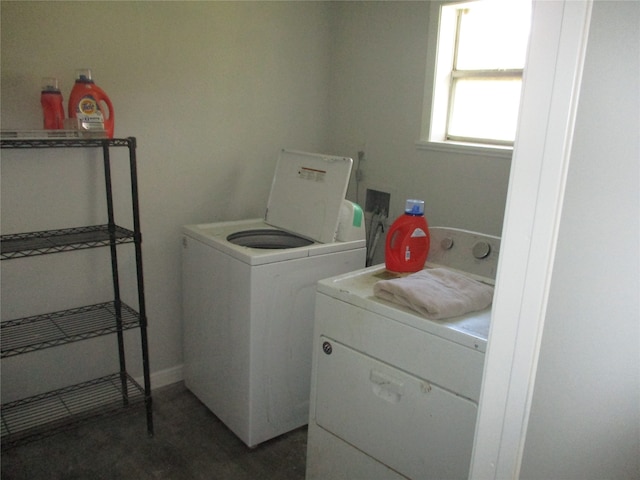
9, 140
30, 244
67, 326
40, 416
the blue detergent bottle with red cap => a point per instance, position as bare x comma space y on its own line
408, 240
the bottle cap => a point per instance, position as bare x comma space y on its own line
414, 207
50, 84
83, 75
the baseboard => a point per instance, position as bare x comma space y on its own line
164, 377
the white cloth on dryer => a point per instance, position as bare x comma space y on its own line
436, 293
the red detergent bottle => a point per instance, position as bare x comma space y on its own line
51, 100
408, 240
90, 104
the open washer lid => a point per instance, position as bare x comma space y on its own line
307, 192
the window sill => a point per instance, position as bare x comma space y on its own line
466, 149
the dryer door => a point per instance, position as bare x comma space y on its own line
405, 422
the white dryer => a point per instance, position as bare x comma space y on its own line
395, 395
249, 293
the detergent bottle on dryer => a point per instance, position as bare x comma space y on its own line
408, 240
90, 104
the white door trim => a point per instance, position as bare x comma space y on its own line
534, 204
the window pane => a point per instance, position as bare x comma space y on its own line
494, 35
485, 108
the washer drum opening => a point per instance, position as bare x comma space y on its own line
268, 239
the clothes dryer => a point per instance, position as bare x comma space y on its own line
394, 395
249, 295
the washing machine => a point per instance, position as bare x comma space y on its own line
394, 395
249, 289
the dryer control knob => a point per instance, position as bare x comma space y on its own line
447, 243
481, 250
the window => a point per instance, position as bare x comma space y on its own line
479, 58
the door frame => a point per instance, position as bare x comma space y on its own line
551, 87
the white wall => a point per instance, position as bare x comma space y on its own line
211, 90
585, 417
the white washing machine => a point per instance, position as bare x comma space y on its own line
249, 293
395, 395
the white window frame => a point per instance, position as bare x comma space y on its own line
438, 86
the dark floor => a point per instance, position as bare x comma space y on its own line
189, 443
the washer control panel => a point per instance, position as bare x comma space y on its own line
470, 252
